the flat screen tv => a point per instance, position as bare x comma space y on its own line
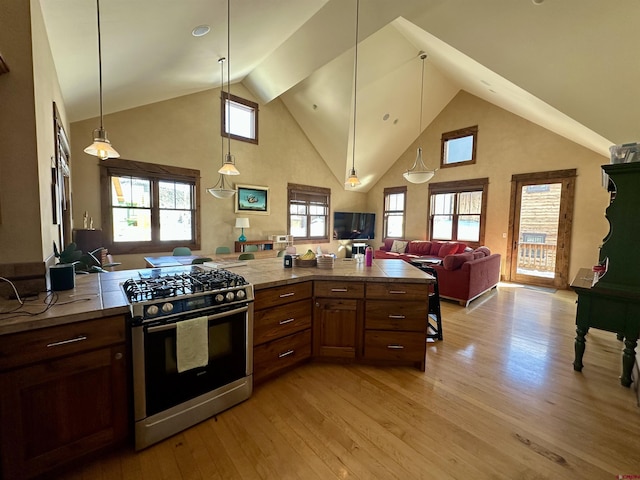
353, 226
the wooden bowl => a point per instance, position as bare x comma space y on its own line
298, 262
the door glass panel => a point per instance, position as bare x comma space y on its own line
538, 232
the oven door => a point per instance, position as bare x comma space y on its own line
164, 387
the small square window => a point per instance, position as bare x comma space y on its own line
459, 147
241, 116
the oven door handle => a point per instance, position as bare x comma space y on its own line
172, 325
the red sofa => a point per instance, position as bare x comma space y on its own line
463, 274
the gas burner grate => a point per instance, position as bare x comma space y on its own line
158, 286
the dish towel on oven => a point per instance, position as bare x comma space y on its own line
192, 343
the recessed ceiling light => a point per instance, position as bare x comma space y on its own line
385, 117
537, 2
200, 30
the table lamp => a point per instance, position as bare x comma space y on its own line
242, 223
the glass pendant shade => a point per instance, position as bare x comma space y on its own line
229, 166
220, 191
101, 146
418, 173
353, 180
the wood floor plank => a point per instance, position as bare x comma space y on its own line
499, 400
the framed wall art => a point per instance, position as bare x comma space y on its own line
252, 199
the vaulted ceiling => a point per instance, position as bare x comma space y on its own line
567, 65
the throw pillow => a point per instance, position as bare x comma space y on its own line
387, 244
398, 246
448, 248
455, 261
484, 250
462, 247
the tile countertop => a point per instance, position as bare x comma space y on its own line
99, 295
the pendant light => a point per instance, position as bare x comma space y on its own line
353, 180
101, 146
219, 190
229, 164
419, 173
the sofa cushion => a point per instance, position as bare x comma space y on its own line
483, 250
435, 248
477, 255
462, 247
455, 261
419, 247
398, 246
448, 248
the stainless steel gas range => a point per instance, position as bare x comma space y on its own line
168, 397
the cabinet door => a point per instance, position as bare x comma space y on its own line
337, 328
55, 411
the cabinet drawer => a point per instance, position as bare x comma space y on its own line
338, 289
278, 322
390, 315
53, 342
406, 346
277, 355
398, 291
271, 297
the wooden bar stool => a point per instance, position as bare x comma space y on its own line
434, 317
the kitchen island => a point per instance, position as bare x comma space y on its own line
66, 371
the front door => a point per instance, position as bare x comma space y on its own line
540, 228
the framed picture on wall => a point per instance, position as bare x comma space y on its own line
252, 199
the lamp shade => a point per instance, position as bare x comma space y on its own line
242, 223
101, 146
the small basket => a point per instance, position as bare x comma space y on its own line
325, 261
298, 262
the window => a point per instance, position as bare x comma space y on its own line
458, 211
243, 121
459, 147
394, 212
148, 207
308, 212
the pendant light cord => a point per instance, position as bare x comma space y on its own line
228, 102
99, 61
422, 56
355, 89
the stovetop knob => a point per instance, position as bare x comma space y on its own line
230, 296
240, 294
219, 298
152, 310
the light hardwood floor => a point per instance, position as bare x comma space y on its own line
499, 399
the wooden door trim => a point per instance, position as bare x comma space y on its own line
564, 224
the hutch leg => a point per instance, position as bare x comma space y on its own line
628, 358
579, 347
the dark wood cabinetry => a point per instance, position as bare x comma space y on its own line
63, 394
612, 301
282, 329
395, 323
337, 319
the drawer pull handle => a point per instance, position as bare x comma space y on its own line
286, 354
290, 294
79, 338
339, 290
397, 316
395, 347
288, 320
393, 292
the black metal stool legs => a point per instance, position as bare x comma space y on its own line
434, 317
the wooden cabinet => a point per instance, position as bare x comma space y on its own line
259, 244
337, 319
63, 394
396, 323
282, 329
